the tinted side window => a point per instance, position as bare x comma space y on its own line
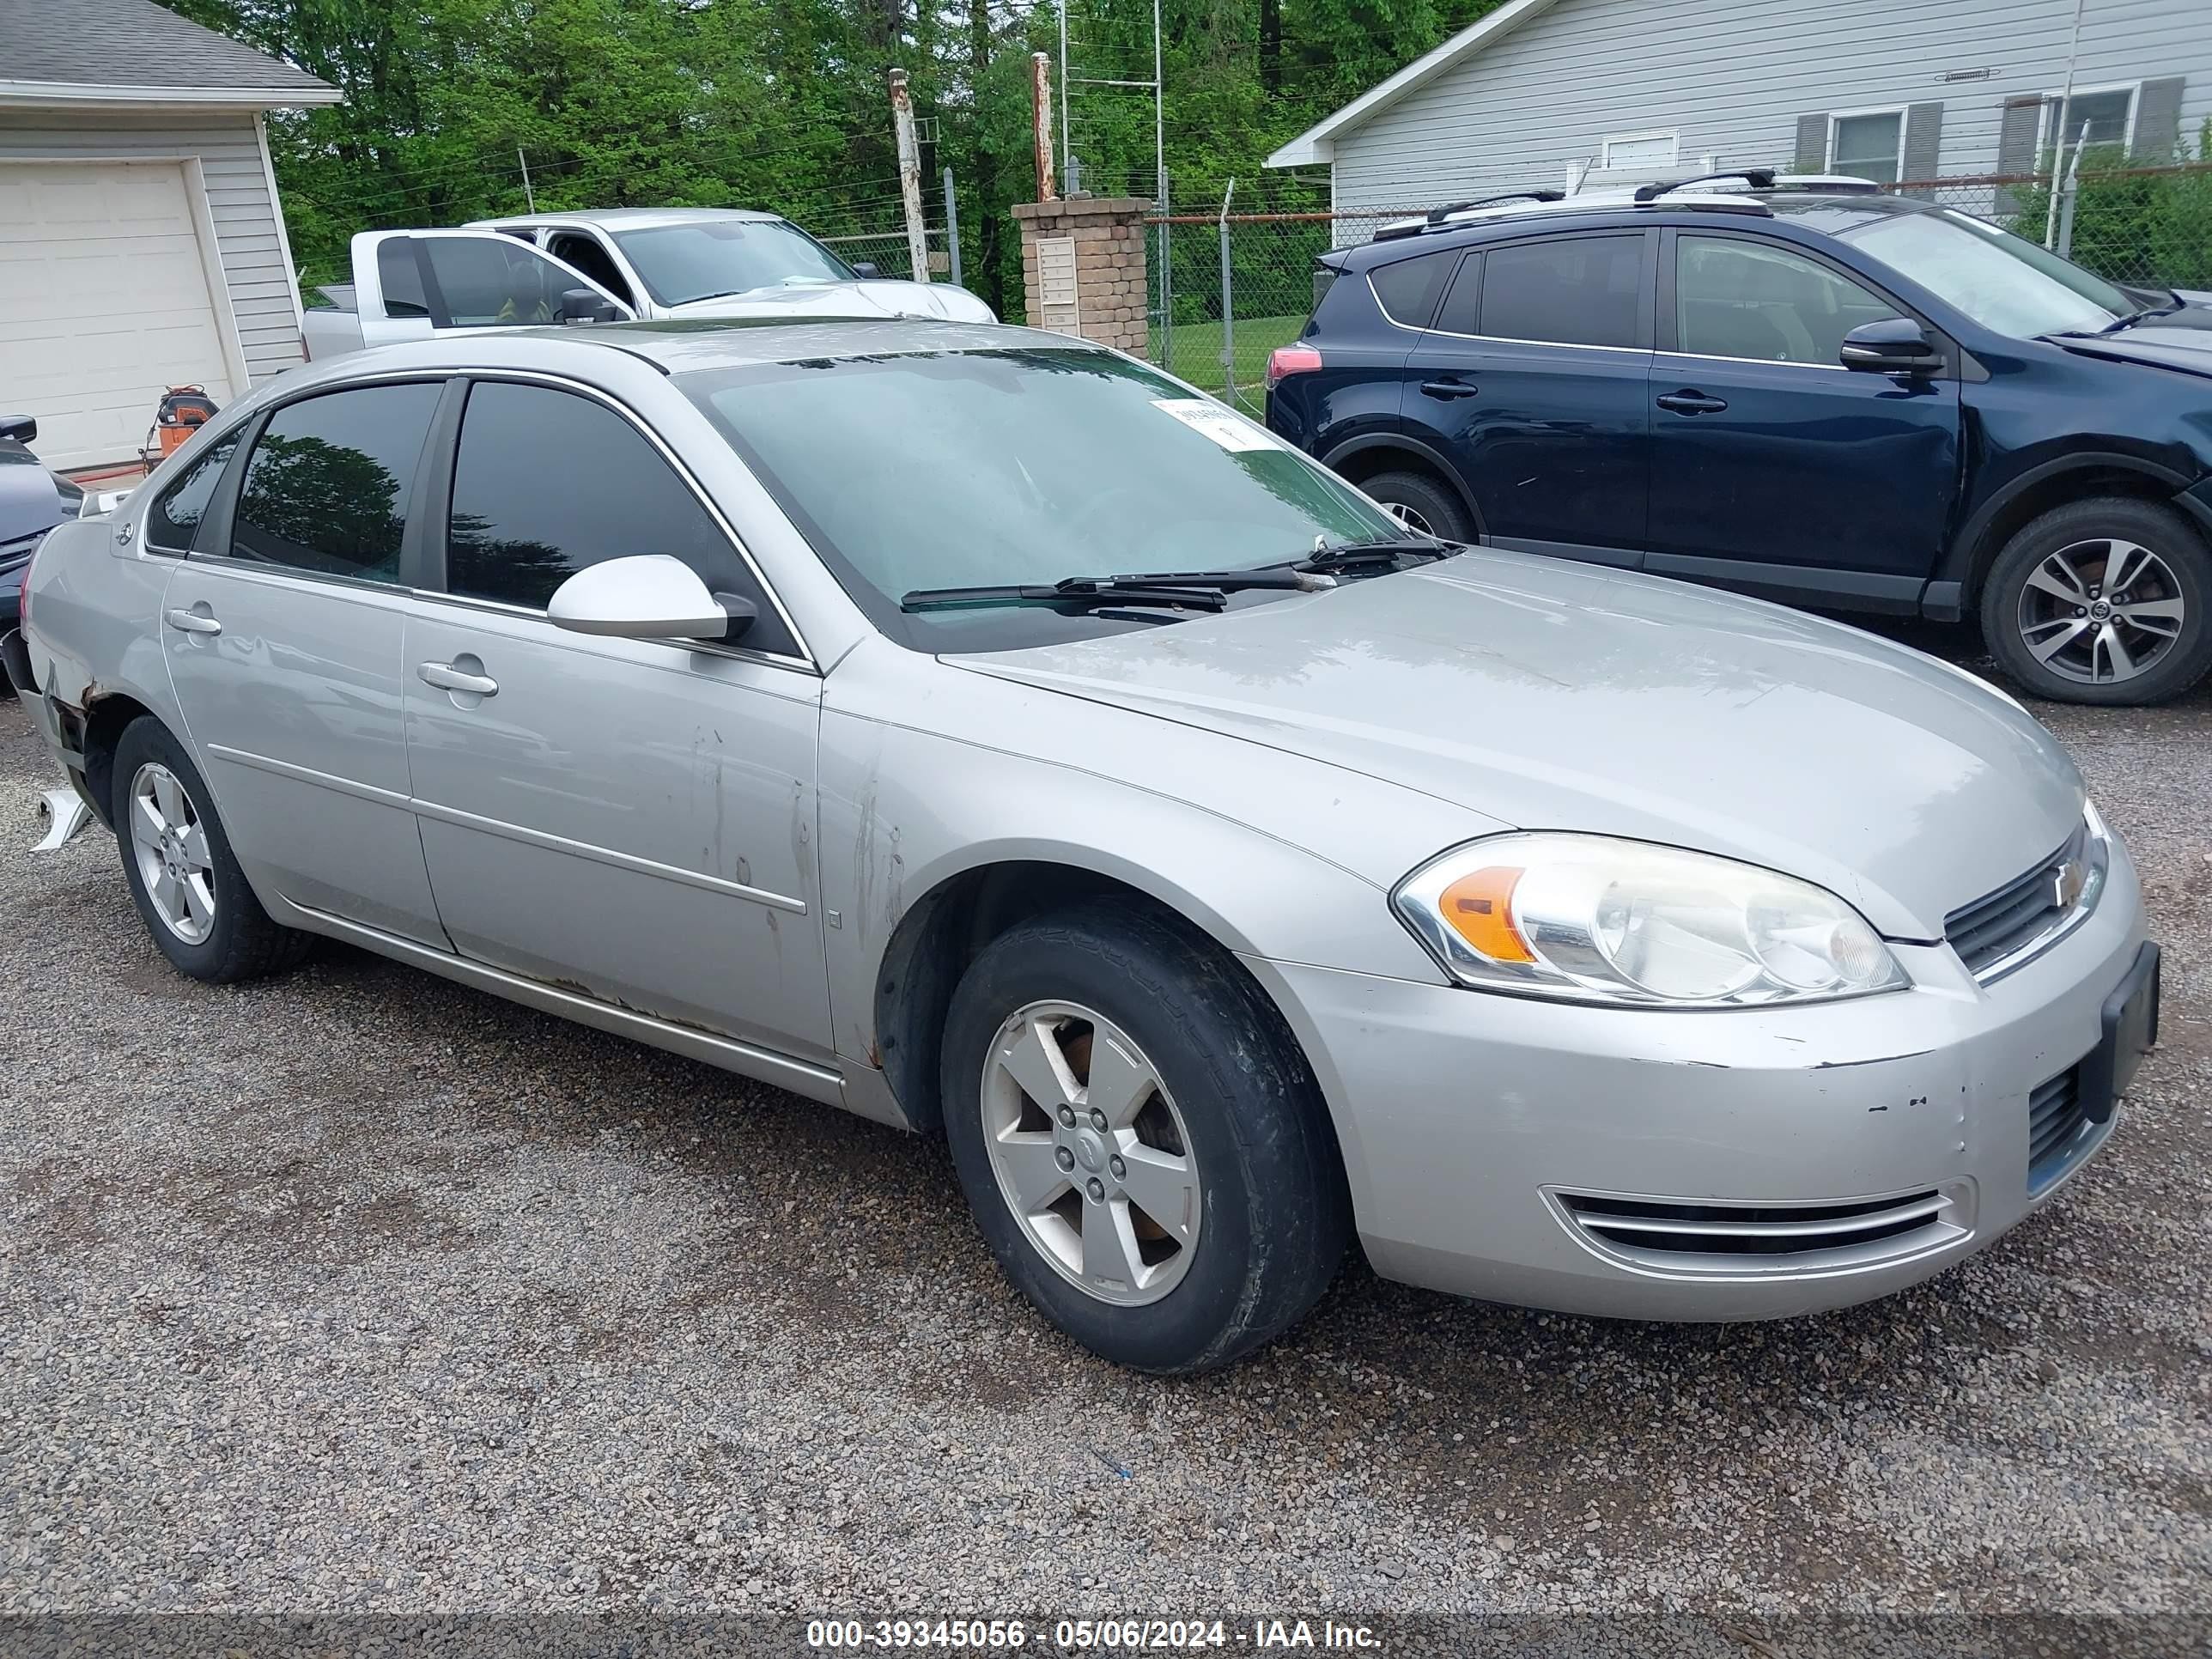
1578, 290
588, 256
402, 279
547, 483
175, 518
327, 486
488, 281
1459, 315
1740, 299
1408, 289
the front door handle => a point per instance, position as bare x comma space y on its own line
193, 621
1692, 403
446, 677
1447, 390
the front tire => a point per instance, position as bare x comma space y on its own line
1143, 1145
2103, 601
183, 877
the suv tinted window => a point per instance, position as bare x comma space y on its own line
327, 486
1734, 298
175, 518
547, 482
584, 252
1576, 290
1408, 289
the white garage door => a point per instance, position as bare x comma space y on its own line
104, 303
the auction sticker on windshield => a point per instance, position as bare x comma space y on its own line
1224, 426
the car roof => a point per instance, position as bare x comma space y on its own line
1811, 199
628, 218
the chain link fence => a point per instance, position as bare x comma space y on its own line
1226, 290
892, 256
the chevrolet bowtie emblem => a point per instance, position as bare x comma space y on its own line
2066, 883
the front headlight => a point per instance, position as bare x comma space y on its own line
1591, 919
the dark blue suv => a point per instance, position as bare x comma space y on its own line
1809, 390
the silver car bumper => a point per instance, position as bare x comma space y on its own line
1743, 1164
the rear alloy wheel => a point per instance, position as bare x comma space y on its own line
184, 879
2103, 602
1140, 1140
1422, 504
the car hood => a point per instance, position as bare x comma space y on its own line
842, 300
31, 498
1543, 695
2182, 340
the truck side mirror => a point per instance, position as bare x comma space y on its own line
581, 305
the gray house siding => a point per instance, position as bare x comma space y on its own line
1750, 83
249, 239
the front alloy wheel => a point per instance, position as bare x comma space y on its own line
1090, 1154
2101, 612
2102, 601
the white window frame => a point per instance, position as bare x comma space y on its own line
1838, 116
2048, 140
1672, 134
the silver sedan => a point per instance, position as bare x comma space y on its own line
980, 732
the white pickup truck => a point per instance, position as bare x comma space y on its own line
612, 265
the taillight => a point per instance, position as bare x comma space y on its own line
1287, 360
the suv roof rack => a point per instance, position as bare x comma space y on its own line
1757, 178
1439, 215
1828, 183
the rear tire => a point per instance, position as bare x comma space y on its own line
1423, 503
2053, 620
1225, 1135
190, 891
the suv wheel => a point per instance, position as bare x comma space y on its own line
177, 860
2103, 601
1143, 1145
1420, 502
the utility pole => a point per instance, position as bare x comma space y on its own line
528, 194
951, 228
909, 165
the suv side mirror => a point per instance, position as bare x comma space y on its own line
23, 429
1895, 345
867, 271
580, 305
649, 596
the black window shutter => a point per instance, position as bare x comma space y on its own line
2157, 120
1924, 142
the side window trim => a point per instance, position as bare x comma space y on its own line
213, 543
446, 456
1648, 267
1667, 342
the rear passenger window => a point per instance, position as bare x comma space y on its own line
328, 483
1577, 290
547, 484
401, 279
175, 518
494, 282
1408, 289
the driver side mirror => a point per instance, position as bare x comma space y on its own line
580, 305
23, 429
1895, 345
867, 271
649, 596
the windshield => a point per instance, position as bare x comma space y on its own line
2002, 281
711, 258
953, 469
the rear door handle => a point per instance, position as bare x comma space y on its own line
446, 677
1692, 403
1447, 390
193, 621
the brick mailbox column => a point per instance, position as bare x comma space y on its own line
1083, 267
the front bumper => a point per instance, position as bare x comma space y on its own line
1496, 1146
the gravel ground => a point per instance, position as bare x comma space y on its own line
357, 1291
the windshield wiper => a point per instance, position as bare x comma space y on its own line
1092, 592
1381, 549
2175, 303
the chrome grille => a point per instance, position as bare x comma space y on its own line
2057, 1122
1765, 1237
1992, 928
